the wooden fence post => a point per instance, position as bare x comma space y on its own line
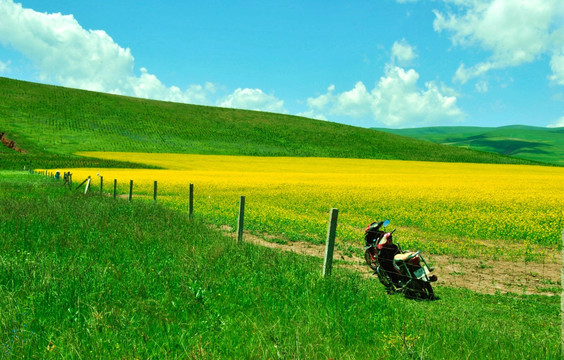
130, 190
155, 191
101, 184
115, 188
87, 185
330, 245
191, 201
241, 220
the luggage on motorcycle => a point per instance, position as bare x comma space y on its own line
373, 232
375, 226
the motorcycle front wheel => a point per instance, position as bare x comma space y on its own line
371, 259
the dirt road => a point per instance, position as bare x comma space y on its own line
487, 277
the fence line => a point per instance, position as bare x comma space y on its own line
331, 230
485, 277
483, 281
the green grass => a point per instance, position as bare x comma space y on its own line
53, 121
10, 160
526, 142
93, 277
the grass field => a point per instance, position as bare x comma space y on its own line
475, 210
92, 277
49, 122
526, 142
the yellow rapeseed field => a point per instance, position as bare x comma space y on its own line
452, 208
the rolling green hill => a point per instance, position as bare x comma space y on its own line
51, 123
526, 142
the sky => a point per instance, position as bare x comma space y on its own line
371, 63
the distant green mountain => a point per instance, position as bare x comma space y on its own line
52, 123
525, 142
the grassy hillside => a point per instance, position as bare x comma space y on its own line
53, 121
526, 142
145, 282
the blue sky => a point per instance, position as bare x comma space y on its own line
377, 63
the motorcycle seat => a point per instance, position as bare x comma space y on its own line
406, 256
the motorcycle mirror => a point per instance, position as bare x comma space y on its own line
386, 222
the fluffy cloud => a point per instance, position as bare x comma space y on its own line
395, 101
513, 31
69, 55
149, 86
62, 49
253, 99
4, 66
557, 67
312, 115
557, 123
403, 53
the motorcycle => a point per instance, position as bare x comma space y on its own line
399, 271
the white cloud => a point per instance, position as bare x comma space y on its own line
253, 99
482, 86
69, 55
62, 49
323, 100
463, 74
4, 66
395, 101
312, 115
513, 31
403, 53
557, 67
557, 123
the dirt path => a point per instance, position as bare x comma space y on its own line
487, 277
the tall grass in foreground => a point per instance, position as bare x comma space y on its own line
92, 277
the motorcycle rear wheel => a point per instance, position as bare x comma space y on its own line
420, 290
426, 290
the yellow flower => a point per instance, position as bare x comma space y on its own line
445, 207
